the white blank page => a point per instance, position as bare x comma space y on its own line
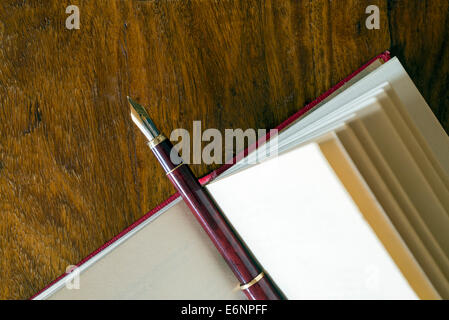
304, 228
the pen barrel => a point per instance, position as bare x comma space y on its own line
254, 283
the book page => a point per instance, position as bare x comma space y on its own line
373, 212
375, 129
304, 228
170, 258
400, 210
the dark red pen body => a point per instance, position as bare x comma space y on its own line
255, 284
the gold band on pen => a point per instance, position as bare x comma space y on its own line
175, 168
252, 282
156, 141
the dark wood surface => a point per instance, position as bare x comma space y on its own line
74, 171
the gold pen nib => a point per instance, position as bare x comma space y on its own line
141, 118
138, 108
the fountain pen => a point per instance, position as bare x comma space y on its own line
253, 282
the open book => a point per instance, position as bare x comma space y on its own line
351, 201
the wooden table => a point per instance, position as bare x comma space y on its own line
74, 171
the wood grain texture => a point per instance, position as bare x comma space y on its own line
74, 170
